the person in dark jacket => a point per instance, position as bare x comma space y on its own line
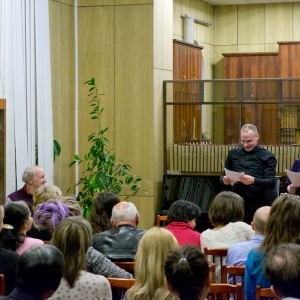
259, 165
120, 243
39, 271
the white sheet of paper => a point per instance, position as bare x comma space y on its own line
235, 176
294, 177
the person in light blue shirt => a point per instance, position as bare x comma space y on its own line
282, 227
238, 252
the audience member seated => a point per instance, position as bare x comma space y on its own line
50, 214
238, 252
44, 193
39, 272
226, 214
282, 266
40, 196
187, 273
17, 221
149, 266
101, 211
282, 227
182, 217
120, 243
72, 238
33, 177
8, 261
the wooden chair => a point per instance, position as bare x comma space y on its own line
212, 273
216, 252
223, 291
161, 220
264, 292
2, 285
237, 273
119, 286
218, 257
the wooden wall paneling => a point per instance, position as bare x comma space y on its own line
251, 24
95, 59
67, 103
134, 89
63, 89
187, 64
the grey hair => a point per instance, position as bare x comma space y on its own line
249, 127
128, 212
29, 172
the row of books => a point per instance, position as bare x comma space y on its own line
196, 158
288, 136
290, 117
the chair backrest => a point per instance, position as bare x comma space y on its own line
236, 272
119, 286
2, 285
216, 252
223, 291
161, 220
218, 257
121, 282
212, 273
264, 292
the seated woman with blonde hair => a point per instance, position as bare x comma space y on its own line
72, 237
149, 266
44, 193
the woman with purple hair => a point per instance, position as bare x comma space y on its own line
50, 214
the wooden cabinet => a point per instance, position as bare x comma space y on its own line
284, 64
187, 64
2, 151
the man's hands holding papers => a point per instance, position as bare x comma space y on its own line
231, 177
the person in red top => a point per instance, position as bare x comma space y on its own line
182, 217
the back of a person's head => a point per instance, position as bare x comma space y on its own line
187, 273
284, 222
39, 271
16, 215
72, 237
282, 266
44, 193
149, 268
124, 211
260, 219
226, 207
102, 210
49, 214
73, 205
183, 211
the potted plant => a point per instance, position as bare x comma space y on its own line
103, 172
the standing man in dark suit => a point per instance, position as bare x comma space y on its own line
259, 166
